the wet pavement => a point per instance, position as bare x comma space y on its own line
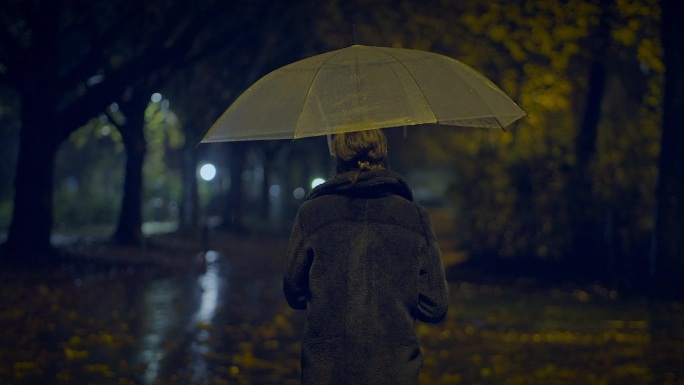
176, 315
188, 319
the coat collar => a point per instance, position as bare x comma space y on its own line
369, 184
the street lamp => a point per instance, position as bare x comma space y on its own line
316, 182
207, 172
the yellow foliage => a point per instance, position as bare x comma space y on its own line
74, 354
106, 338
75, 341
25, 366
451, 378
99, 368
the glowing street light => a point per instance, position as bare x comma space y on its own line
316, 182
207, 172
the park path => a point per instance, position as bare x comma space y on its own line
211, 323
189, 312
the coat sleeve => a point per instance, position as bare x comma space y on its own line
296, 279
433, 290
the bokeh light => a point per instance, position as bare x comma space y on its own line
316, 182
299, 193
207, 172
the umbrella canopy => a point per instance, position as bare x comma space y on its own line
363, 87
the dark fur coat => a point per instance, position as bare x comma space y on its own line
363, 261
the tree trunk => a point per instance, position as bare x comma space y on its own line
129, 228
587, 257
39, 139
270, 151
29, 231
265, 206
190, 208
233, 216
669, 236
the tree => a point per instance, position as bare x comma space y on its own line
67, 62
669, 236
9, 131
587, 255
129, 230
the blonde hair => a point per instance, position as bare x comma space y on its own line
359, 151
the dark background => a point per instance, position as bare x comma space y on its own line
103, 105
589, 180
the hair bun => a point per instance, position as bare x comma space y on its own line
360, 150
365, 165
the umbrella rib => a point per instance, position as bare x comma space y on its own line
414, 82
308, 92
489, 84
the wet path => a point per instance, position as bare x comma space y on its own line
239, 331
178, 316
218, 317
194, 325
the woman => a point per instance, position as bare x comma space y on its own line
363, 261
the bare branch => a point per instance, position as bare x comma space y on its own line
94, 59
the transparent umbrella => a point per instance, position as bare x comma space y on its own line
360, 88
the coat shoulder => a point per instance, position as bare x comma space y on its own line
392, 210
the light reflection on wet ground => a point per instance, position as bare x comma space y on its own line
211, 283
160, 323
178, 314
